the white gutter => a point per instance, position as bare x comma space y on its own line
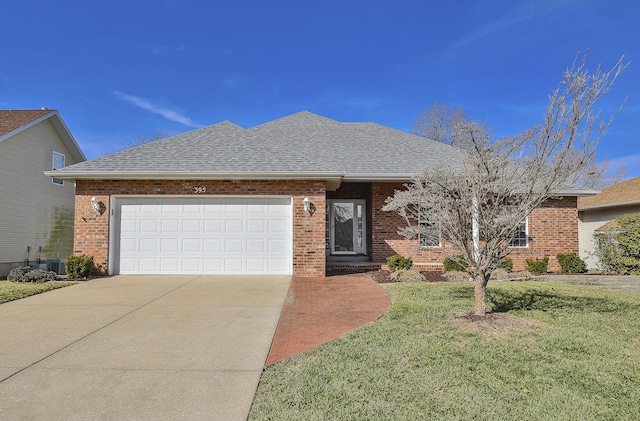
170, 175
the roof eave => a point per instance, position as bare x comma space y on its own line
609, 205
382, 177
333, 179
576, 192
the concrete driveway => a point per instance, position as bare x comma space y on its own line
139, 347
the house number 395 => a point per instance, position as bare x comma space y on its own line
200, 189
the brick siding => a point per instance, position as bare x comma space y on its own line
553, 229
92, 229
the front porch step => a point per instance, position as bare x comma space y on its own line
359, 267
356, 267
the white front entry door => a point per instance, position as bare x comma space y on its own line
203, 235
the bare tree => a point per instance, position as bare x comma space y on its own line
141, 139
438, 122
484, 202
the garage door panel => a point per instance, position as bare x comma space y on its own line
233, 265
276, 246
148, 225
209, 235
212, 225
191, 225
148, 245
191, 265
256, 225
148, 265
191, 246
212, 265
256, 246
168, 245
212, 246
234, 245
277, 265
256, 266
277, 225
234, 225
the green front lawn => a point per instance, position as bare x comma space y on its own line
10, 291
548, 351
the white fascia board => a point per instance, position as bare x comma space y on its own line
577, 192
609, 205
168, 175
379, 177
67, 137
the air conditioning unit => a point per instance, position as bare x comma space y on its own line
56, 265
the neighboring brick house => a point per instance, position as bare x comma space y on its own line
596, 211
289, 197
36, 212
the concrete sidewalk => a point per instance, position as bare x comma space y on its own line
143, 347
626, 283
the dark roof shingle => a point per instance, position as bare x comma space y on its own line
11, 120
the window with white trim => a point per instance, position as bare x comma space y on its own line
57, 162
521, 236
430, 230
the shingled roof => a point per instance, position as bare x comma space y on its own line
302, 145
11, 120
622, 194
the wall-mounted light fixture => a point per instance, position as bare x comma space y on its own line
95, 204
306, 203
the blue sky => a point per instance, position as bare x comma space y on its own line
119, 69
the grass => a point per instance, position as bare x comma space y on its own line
10, 291
549, 351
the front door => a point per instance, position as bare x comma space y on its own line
347, 227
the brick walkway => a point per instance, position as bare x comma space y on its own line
319, 310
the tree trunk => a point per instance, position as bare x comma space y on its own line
480, 293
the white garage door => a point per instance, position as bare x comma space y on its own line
203, 236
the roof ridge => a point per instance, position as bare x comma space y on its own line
296, 114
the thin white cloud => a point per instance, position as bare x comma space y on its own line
156, 109
519, 14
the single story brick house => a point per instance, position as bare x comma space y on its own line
293, 196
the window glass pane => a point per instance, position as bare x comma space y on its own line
430, 231
520, 238
343, 231
57, 162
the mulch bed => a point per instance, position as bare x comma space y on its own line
382, 276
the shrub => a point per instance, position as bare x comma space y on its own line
456, 276
79, 266
571, 263
619, 248
505, 264
455, 263
26, 274
538, 265
407, 275
18, 274
41, 275
398, 262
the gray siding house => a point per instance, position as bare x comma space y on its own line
36, 211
